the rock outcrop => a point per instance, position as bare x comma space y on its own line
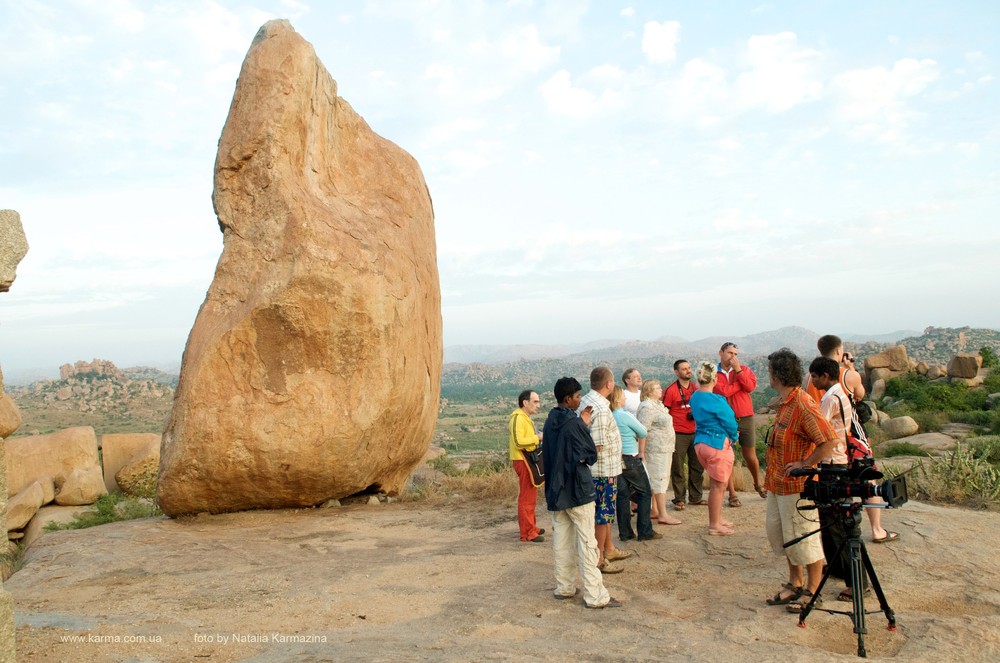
964, 365
313, 369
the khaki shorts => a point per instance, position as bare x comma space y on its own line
784, 523
748, 432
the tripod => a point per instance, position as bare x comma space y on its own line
860, 564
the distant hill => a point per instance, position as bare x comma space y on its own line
489, 381
97, 394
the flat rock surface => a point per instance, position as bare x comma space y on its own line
407, 581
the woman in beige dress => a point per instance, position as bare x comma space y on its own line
659, 447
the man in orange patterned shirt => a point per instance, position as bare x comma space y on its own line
801, 437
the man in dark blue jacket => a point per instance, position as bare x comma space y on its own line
568, 453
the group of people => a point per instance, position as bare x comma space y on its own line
614, 451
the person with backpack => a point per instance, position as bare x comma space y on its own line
522, 437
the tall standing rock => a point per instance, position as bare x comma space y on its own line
313, 368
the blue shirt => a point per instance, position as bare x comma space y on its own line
714, 419
630, 429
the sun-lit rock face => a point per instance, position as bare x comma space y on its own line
313, 369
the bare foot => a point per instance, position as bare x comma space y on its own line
667, 520
721, 531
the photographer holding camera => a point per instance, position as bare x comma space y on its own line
801, 437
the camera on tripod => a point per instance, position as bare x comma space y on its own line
828, 485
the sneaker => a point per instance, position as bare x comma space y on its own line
541, 530
617, 554
609, 568
563, 597
612, 603
537, 539
654, 535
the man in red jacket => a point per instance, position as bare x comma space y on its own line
736, 383
676, 399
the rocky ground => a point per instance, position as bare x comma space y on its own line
452, 583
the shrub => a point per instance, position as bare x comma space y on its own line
11, 560
990, 359
959, 478
487, 479
921, 394
110, 508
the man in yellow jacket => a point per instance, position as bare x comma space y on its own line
523, 436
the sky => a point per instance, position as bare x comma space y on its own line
600, 169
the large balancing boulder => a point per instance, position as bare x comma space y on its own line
313, 368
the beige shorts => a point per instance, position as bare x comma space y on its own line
784, 523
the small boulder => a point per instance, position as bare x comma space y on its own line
877, 374
24, 505
898, 427
10, 416
878, 390
121, 449
964, 365
139, 478
922, 367
82, 486
936, 372
31, 458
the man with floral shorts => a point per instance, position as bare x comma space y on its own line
608, 440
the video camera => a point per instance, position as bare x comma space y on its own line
829, 485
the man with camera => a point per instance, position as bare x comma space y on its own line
736, 382
677, 399
800, 438
522, 437
568, 453
835, 405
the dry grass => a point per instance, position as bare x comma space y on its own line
489, 479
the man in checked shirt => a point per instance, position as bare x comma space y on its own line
608, 440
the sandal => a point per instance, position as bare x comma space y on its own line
847, 595
735, 502
678, 506
796, 592
760, 491
800, 605
700, 503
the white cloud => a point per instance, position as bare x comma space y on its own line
628, 11
874, 101
782, 74
659, 41
565, 99
295, 9
526, 50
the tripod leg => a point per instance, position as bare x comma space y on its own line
807, 608
883, 602
858, 593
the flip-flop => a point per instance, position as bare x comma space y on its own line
889, 536
664, 522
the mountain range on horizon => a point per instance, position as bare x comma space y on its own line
799, 339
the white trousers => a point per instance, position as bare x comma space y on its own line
575, 547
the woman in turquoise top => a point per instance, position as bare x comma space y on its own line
633, 433
713, 442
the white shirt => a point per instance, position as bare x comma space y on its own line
631, 402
